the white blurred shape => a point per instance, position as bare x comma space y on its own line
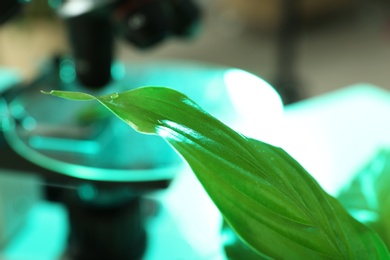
258, 105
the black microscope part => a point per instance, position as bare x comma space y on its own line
187, 16
9, 9
91, 40
142, 23
147, 23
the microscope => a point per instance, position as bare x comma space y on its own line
109, 166
95, 165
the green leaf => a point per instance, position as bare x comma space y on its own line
235, 248
269, 200
78, 96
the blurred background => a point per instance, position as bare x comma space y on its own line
303, 48
331, 44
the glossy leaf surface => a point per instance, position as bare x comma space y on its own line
269, 200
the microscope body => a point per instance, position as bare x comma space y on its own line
106, 214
